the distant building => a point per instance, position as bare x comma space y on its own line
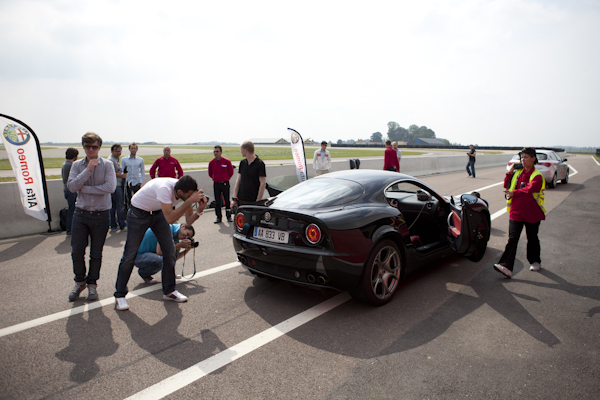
361, 142
259, 141
426, 142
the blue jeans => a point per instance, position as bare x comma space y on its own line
148, 264
118, 207
471, 164
138, 222
71, 199
93, 225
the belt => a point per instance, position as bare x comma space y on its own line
147, 212
222, 182
91, 212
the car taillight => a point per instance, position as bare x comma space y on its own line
546, 164
239, 221
313, 234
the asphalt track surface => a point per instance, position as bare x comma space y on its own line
456, 329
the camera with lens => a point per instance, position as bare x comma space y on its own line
518, 166
193, 243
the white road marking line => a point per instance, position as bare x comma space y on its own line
596, 161
205, 367
105, 302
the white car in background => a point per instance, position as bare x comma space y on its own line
551, 166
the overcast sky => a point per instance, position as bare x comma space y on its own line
507, 72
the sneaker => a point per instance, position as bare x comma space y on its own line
178, 276
92, 292
121, 304
503, 270
175, 296
74, 295
217, 221
124, 229
113, 229
535, 266
229, 217
150, 281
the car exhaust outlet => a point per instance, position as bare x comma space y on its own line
322, 280
242, 259
310, 278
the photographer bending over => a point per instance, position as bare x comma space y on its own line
153, 207
525, 196
149, 258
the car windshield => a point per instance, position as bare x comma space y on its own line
319, 193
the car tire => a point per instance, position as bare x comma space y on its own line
552, 183
566, 180
381, 275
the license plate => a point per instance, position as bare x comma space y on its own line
270, 235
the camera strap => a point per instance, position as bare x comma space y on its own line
194, 263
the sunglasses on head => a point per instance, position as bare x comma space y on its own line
89, 146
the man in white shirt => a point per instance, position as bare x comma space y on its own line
134, 167
322, 160
152, 207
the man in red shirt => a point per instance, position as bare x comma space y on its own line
390, 160
525, 195
167, 166
221, 171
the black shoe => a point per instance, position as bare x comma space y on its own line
229, 218
217, 221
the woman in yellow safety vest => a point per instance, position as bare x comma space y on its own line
525, 196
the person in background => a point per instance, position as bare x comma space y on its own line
322, 160
71, 156
93, 179
134, 167
117, 212
525, 196
398, 153
390, 161
252, 177
471, 164
221, 171
168, 167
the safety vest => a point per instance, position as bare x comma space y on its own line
539, 196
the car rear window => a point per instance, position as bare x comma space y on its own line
319, 193
541, 156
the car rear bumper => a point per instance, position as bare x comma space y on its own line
313, 267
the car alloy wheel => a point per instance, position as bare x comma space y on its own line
552, 184
381, 276
566, 180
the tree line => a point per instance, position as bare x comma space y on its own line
396, 133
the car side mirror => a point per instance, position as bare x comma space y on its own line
423, 195
565, 160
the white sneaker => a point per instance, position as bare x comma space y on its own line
150, 281
535, 266
503, 270
178, 276
175, 296
121, 304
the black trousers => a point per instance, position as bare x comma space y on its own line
533, 243
221, 190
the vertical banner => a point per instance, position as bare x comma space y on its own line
24, 154
298, 155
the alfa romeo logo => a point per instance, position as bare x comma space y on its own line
16, 135
295, 138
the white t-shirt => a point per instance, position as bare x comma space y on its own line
156, 191
398, 154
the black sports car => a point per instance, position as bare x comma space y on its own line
358, 230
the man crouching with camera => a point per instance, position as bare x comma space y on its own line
149, 259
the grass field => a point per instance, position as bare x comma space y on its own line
233, 154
